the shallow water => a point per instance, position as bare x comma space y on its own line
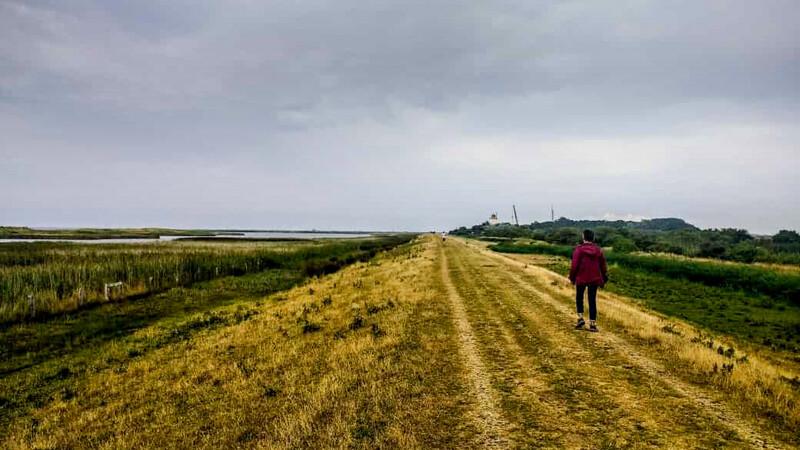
244, 235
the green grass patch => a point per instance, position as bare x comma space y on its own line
748, 278
749, 316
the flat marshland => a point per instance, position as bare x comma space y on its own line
97, 233
64, 276
402, 345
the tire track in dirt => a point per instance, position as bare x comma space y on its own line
605, 388
648, 402
488, 417
651, 367
530, 378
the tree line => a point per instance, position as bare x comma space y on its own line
668, 235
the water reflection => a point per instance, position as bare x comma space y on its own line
242, 235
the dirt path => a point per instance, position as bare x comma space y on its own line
487, 416
430, 345
656, 370
542, 383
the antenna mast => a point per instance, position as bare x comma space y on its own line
516, 219
552, 213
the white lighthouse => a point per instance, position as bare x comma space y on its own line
493, 220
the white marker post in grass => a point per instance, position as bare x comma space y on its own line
111, 288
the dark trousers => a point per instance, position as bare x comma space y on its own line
592, 299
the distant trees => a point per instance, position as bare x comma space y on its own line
734, 235
743, 252
666, 224
624, 245
786, 244
711, 249
658, 236
786, 237
568, 236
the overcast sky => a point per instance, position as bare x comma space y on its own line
395, 115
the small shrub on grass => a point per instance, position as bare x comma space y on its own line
310, 327
270, 392
247, 436
367, 429
245, 367
67, 394
375, 309
357, 323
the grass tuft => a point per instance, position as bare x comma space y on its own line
356, 323
311, 327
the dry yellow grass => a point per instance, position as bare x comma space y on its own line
760, 382
379, 370
428, 346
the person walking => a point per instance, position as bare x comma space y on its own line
588, 272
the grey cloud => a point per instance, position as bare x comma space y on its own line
397, 114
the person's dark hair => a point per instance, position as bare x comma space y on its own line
588, 235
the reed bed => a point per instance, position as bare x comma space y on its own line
62, 277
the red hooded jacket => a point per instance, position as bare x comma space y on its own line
588, 265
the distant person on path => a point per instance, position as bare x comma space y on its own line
444, 236
588, 272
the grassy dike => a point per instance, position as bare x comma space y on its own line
364, 357
750, 392
40, 356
